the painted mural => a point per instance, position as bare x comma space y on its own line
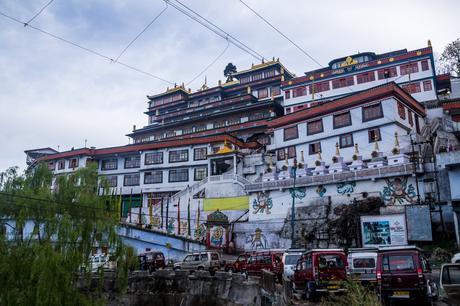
217, 237
298, 193
346, 188
183, 228
170, 227
200, 232
321, 190
398, 191
257, 240
262, 203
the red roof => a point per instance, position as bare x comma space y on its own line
151, 146
372, 94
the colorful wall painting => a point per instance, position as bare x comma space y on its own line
298, 193
397, 191
262, 203
321, 190
200, 232
217, 236
170, 228
346, 188
257, 240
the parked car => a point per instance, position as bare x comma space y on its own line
455, 258
449, 284
362, 264
151, 261
320, 271
98, 261
403, 273
239, 264
207, 260
267, 260
290, 258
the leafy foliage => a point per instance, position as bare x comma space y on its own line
450, 58
47, 236
356, 295
230, 69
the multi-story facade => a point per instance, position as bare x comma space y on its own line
217, 165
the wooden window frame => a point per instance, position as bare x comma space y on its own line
373, 118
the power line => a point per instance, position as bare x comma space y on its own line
212, 63
281, 33
38, 13
84, 48
214, 28
138, 35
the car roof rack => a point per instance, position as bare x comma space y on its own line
399, 247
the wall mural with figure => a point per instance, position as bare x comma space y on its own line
346, 188
170, 228
257, 240
262, 203
200, 232
398, 191
217, 237
321, 190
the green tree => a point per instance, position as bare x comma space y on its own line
229, 70
450, 58
52, 234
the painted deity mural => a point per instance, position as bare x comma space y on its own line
398, 192
346, 188
262, 203
257, 240
217, 237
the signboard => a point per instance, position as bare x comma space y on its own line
418, 223
383, 230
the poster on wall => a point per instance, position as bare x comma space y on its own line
383, 230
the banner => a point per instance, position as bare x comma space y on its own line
383, 230
235, 203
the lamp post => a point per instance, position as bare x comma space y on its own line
294, 175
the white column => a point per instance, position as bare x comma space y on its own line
234, 164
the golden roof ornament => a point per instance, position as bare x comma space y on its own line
356, 149
337, 152
429, 43
301, 157
376, 144
396, 149
225, 148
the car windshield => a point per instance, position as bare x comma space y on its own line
364, 263
451, 275
398, 263
330, 261
214, 256
291, 259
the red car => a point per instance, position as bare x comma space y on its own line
320, 271
403, 273
151, 261
240, 263
268, 260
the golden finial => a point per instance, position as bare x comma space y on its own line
189, 90
356, 149
337, 152
429, 43
249, 89
219, 83
282, 78
263, 61
301, 157
396, 140
376, 144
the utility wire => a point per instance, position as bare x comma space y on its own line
209, 66
84, 48
281, 33
38, 13
138, 35
214, 28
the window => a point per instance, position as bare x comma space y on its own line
153, 177
170, 133
200, 128
342, 120
412, 87
244, 80
398, 263
427, 85
178, 175
109, 164
51, 166
319, 87
314, 148
330, 261
200, 173
219, 124
374, 135
269, 73
276, 91
233, 121
73, 163
424, 65
112, 181
409, 68
314, 127
401, 110
364, 263
200, 153
61, 164
346, 140
287, 94
178, 156
411, 120
132, 162
343, 82
131, 180
365, 77
258, 116
281, 154
417, 126
154, 158
291, 152
387, 73
291, 133
187, 130
288, 110
299, 91
263, 93
257, 76
372, 112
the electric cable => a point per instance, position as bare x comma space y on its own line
38, 13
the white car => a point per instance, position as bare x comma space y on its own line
290, 258
99, 261
362, 264
455, 258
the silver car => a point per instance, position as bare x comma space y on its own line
208, 260
290, 258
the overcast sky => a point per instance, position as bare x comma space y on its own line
53, 94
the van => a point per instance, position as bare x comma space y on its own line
239, 264
207, 260
362, 264
151, 261
290, 258
403, 273
267, 260
320, 271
